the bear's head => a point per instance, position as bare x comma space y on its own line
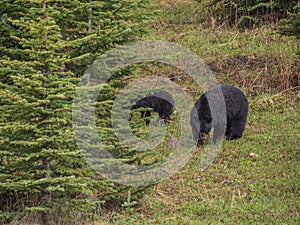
205, 118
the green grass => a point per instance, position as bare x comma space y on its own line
259, 60
256, 179
184, 22
238, 187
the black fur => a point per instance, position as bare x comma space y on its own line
161, 102
210, 112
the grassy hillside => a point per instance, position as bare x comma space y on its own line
256, 179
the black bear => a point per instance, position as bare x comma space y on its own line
161, 102
210, 112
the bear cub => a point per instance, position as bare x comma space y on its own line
161, 102
209, 112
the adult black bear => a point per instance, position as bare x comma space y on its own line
161, 102
210, 112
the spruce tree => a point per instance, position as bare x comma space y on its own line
250, 13
291, 26
38, 152
45, 46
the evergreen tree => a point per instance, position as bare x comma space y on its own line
249, 13
45, 46
38, 153
291, 26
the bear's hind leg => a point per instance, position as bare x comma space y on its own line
237, 129
228, 130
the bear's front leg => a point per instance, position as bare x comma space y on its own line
219, 131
